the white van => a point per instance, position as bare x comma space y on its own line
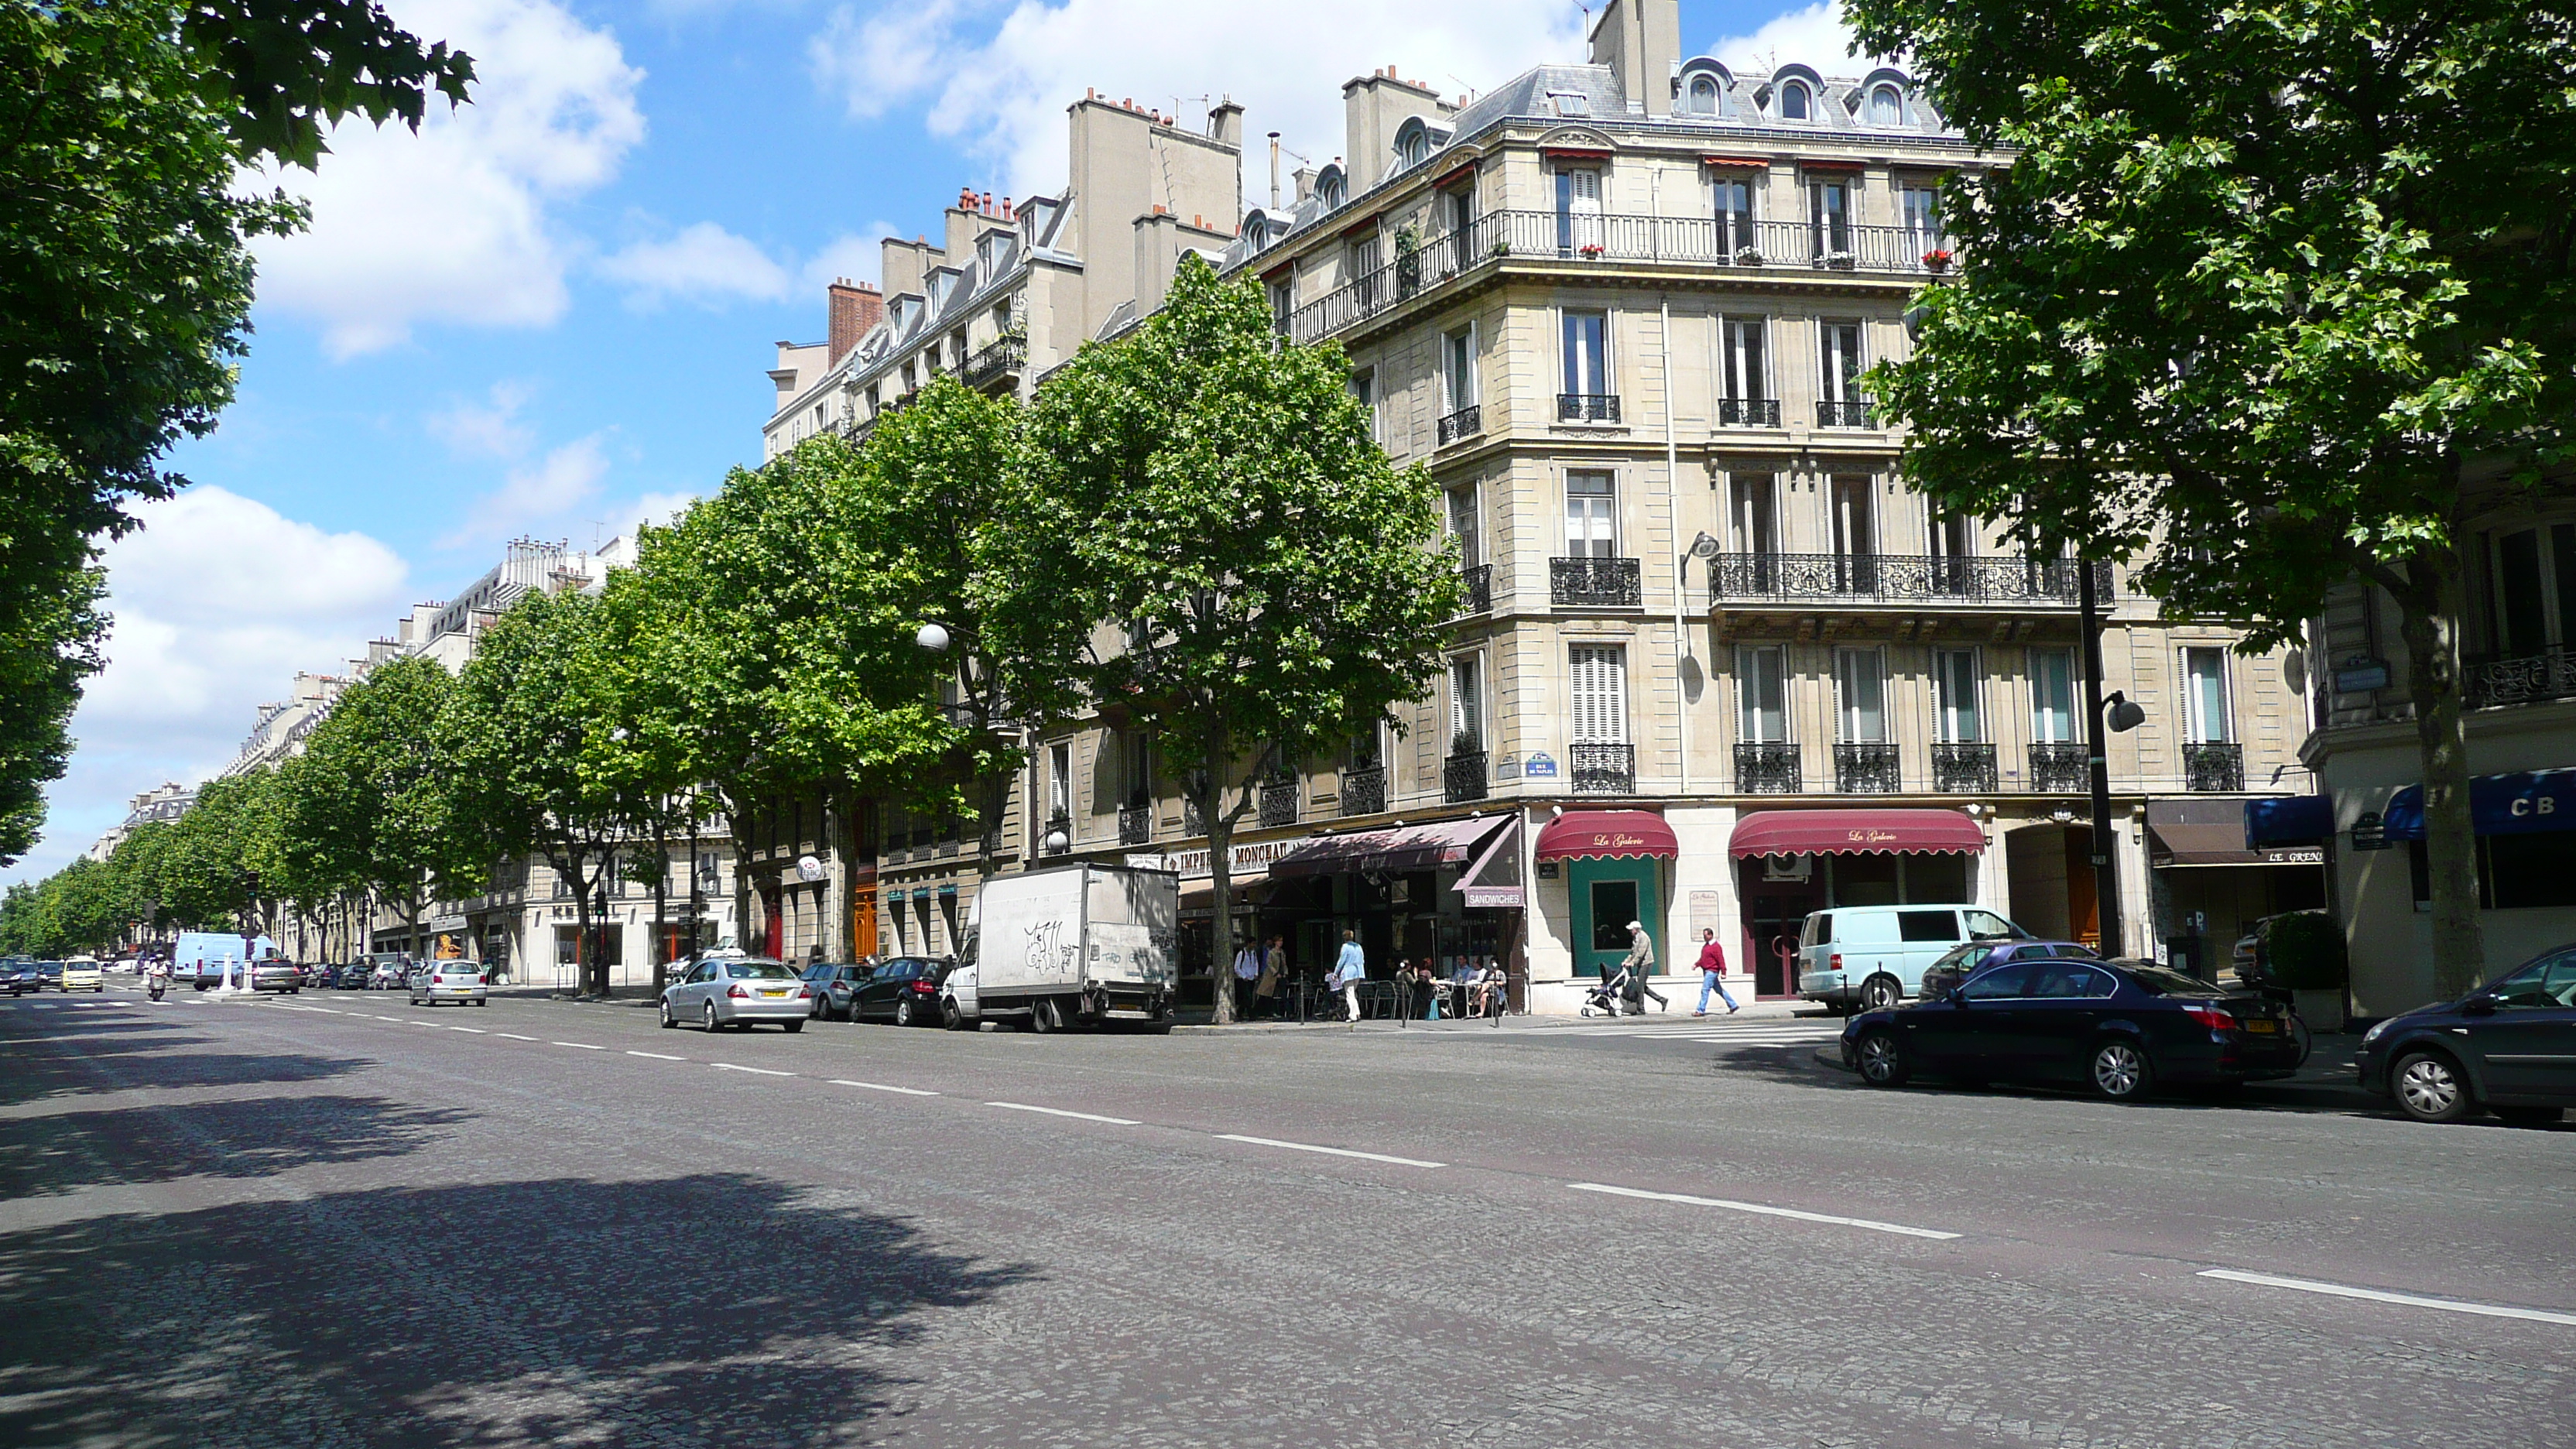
1874, 956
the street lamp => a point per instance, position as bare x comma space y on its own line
2119, 713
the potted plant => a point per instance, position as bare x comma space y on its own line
1589, 251
1408, 260
1748, 256
1937, 260
1500, 248
1840, 261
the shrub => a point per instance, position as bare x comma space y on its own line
2305, 952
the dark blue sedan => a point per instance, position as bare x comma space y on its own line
2509, 1046
2119, 1027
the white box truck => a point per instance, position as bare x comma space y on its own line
1075, 945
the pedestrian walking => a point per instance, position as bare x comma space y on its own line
1712, 973
1349, 970
1247, 970
1640, 964
1274, 969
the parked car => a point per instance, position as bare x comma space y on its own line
904, 990
82, 973
736, 991
1961, 962
2121, 1027
389, 972
2509, 1047
350, 976
1873, 957
459, 981
833, 982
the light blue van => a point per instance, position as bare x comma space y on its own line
1873, 957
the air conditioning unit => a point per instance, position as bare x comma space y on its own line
1798, 869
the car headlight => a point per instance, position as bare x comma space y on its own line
2378, 1031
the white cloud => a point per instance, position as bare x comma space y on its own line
1002, 89
491, 430
854, 255
546, 489
703, 262
1817, 35
455, 224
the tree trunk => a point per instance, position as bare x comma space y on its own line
738, 825
2430, 607
661, 897
1220, 837
585, 945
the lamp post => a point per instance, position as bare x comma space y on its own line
2120, 714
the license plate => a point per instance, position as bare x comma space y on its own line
2262, 1026
773, 993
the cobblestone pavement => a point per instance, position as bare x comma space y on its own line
340, 1220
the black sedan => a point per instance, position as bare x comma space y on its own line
2509, 1046
20, 977
1961, 962
834, 983
2119, 1027
904, 990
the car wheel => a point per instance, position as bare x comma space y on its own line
949, 1016
1882, 1060
2429, 1088
711, 1025
1880, 993
668, 1021
903, 1012
821, 1006
2528, 1116
2120, 1070
791, 1027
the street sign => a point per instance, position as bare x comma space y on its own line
2369, 832
1539, 766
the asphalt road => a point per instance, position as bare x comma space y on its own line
341, 1220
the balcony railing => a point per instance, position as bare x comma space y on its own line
2213, 765
1279, 802
1911, 578
1869, 768
1963, 767
2060, 769
1846, 413
1364, 790
1001, 357
1602, 583
1587, 407
1768, 770
1135, 824
1479, 579
1603, 769
1464, 423
2523, 679
1748, 412
1462, 775
1774, 247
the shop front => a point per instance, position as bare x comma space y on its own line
1616, 868
1444, 891
2210, 880
1792, 863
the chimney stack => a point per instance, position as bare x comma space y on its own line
855, 308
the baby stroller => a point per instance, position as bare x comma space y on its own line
1610, 998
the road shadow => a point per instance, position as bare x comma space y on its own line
704, 1310
128, 1058
63, 1152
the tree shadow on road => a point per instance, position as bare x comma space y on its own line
176, 1062
63, 1152
705, 1310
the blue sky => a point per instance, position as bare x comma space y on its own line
551, 314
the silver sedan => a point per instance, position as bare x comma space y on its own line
737, 991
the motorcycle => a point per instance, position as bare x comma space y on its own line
156, 983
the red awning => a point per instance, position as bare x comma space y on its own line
1607, 835
1855, 832
1395, 849
1752, 162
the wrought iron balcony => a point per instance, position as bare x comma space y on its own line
1462, 775
1868, 768
1466, 422
1587, 407
1601, 583
1603, 769
1843, 414
1480, 590
1364, 790
1768, 770
2522, 679
1899, 578
1279, 802
1002, 357
2060, 769
2213, 765
1963, 767
1748, 412
1135, 824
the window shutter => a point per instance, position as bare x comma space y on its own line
1600, 694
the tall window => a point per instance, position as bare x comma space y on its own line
1951, 542
1919, 209
1282, 303
1795, 101
2052, 696
1741, 360
1830, 209
1467, 703
1458, 369
1587, 354
1753, 512
1860, 690
1839, 357
1703, 95
1954, 681
1762, 694
1734, 214
1855, 527
1364, 387
1464, 526
1600, 694
1578, 209
1136, 769
1591, 529
2205, 714
2534, 585
1886, 107
1060, 781
1362, 264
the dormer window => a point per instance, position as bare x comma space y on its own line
1796, 102
1331, 189
1413, 150
1571, 103
1886, 107
1702, 97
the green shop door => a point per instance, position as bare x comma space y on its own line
1607, 895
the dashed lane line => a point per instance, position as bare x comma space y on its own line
1328, 1151
1763, 1209
882, 1087
514, 1036
760, 1071
583, 1045
657, 1056
1060, 1112
2381, 1295
478, 1031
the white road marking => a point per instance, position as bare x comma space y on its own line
764, 1071
1329, 1151
325, 1010
585, 1046
396, 1020
882, 1087
514, 1036
657, 1056
2403, 1300
1060, 1112
1763, 1209
478, 1031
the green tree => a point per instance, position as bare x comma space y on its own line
213, 871
2262, 299
125, 281
366, 805
1271, 580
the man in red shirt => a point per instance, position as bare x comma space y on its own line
1712, 973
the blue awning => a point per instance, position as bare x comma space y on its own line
2288, 817
2526, 802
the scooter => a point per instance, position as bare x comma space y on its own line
155, 984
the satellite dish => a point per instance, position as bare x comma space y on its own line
808, 868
